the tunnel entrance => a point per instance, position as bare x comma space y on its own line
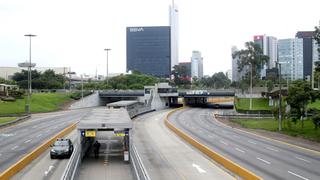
104, 133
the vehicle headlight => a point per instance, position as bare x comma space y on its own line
66, 150
52, 150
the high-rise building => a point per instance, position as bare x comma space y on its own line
196, 64
148, 50
174, 33
290, 56
307, 52
268, 44
229, 74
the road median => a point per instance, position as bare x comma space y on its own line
235, 168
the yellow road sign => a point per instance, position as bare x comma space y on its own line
120, 134
90, 134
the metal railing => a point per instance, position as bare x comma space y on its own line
73, 165
137, 165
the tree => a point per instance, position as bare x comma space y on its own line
270, 85
317, 35
253, 56
181, 75
299, 94
220, 80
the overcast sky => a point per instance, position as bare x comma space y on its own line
73, 33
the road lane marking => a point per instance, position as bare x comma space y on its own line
200, 170
240, 150
224, 143
49, 170
297, 175
302, 159
14, 148
267, 162
252, 142
272, 149
236, 136
28, 141
39, 135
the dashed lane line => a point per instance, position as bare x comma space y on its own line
15, 147
224, 143
265, 161
272, 149
297, 175
302, 159
240, 150
28, 140
252, 142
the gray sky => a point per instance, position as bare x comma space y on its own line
75, 32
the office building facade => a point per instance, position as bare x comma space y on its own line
196, 64
268, 45
290, 56
235, 74
148, 50
307, 52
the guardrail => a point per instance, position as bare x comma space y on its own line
137, 165
73, 165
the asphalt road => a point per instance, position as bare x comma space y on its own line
45, 168
166, 156
266, 158
18, 140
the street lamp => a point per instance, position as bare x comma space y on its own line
250, 63
107, 49
29, 65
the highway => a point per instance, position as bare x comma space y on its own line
18, 140
266, 158
166, 156
44, 167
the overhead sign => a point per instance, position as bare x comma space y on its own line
120, 133
90, 133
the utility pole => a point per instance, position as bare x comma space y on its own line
280, 113
107, 49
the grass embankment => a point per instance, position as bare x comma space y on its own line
6, 119
257, 104
308, 131
40, 102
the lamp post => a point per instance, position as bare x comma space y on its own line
251, 58
29, 73
107, 49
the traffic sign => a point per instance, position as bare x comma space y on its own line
90, 133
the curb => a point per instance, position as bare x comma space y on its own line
15, 168
15, 121
235, 168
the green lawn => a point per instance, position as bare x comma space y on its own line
315, 105
40, 102
257, 104
6, 119
307, 132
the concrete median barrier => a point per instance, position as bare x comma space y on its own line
14, 169
235, 168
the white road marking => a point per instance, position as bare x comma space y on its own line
252, 142
302, 159
236, 136
39, 135
240, 150
224, 143
7, 135
14, 148
200, 170
272, 149
28, 141
47, 172
297, 175
267, 162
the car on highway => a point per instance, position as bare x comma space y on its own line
61, 148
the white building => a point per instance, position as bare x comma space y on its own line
290, 56
235, 73
196, 64
229, 74
8, 72
268, 44
174, 32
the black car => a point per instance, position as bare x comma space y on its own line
62, 148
